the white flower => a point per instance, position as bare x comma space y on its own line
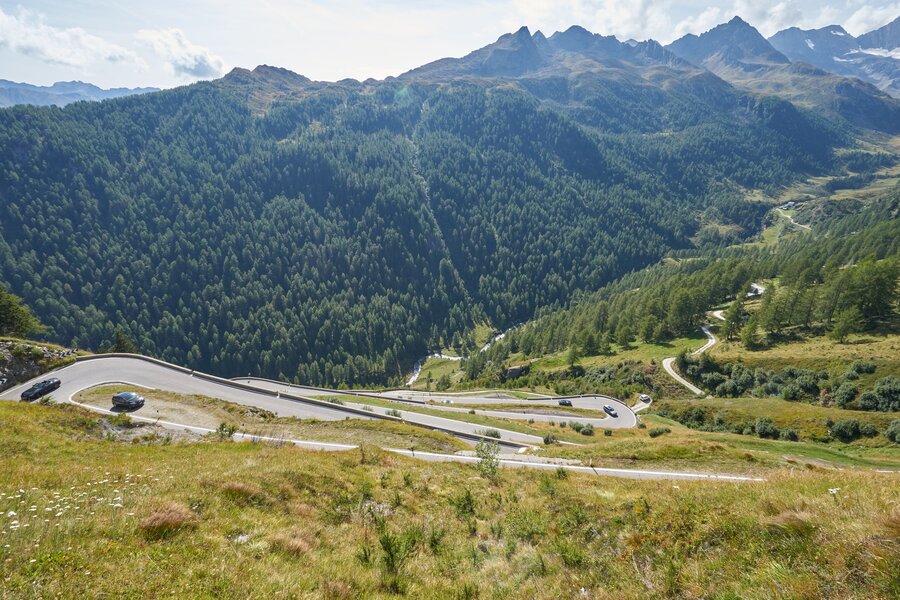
11, 514
833, 491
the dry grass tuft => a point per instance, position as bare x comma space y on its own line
292, 542
167, 520
891, 523
244, 493
791, 522
337, 590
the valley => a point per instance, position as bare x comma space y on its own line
563, 317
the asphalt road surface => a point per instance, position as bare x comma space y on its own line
625, 419
110, 370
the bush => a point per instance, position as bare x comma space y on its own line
658, 431
846, 430
606, 432
491, 433
488, 461
766, 429
859, 367
790, 435
551, 439
464, 504
845, 394
225, 431
393, 412
893, 431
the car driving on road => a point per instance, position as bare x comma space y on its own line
645, 398
565, 403
127, 400
41, 388
610, 411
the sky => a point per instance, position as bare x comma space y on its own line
166, 43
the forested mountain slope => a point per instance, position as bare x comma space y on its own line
331, 233
848, 262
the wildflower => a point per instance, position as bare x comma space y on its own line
833, 491
11, 514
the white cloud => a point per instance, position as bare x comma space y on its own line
868, 17
768, 17
700, 23
26, 32
185, 58
632, 19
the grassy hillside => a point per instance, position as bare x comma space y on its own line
88, 517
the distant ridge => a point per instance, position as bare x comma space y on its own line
60, 93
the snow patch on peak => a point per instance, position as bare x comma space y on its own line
810, 44
895, 53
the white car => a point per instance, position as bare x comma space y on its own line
645, 399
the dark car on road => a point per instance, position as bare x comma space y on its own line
127, 400
41, 388
565, 403
610, 411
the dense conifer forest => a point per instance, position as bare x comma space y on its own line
335, 233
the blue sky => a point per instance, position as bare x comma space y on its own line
165, 43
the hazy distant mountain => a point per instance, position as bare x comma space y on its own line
738, 53
833, 49
735, 44
887, 37
60, 93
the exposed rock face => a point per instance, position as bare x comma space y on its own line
20, 361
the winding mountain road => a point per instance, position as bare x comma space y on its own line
141, 371
668, 363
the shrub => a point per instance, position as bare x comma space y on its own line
225, 431
491, 433
846, 430
120, 420
606, 432
729, 389
790, 392
464, 504
766, 429
790, 435
167, 520
859, 367
589, 430
488, 461
888, 392
867, 430
845, 394
658, 431
893, 431
393, 412
551, 439
396, 550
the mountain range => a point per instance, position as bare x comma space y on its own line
334, 232
60, 93
739, 54
873, 57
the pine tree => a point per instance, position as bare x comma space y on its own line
733, 318
748, 333
847, 321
